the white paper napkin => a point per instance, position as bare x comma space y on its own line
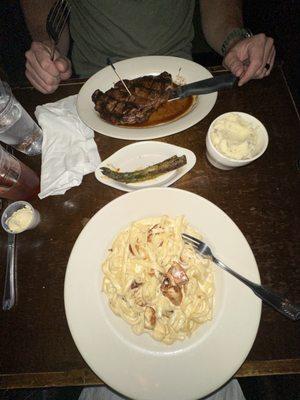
68, 151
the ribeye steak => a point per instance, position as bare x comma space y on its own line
148, 93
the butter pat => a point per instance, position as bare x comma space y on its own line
20, 219
235, 137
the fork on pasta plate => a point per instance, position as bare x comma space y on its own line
281, 304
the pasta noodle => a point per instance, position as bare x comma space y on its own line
156, 282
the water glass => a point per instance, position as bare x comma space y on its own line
17, 128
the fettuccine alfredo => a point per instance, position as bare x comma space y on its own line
156, 282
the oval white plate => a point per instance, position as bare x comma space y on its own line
138, 366
136, 67
140, 155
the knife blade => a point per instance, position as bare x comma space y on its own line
219, 82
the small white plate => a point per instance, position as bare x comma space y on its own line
141, 155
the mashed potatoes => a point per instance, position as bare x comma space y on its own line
235, 137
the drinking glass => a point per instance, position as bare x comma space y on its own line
17, 128
17, 181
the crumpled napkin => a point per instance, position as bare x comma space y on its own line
68, 151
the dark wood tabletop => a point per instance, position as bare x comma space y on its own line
262, 198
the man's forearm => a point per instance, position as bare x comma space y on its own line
35, 13
219, 18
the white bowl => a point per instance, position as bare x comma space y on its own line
221, 161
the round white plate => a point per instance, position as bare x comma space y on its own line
140, 155
134, 68
138, 366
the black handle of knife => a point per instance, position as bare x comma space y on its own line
220, 82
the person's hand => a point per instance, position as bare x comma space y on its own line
43, 73
251, 58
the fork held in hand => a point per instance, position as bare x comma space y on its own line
278, 302
56, 21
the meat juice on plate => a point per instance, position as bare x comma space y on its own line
168, 112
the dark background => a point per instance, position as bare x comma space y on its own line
279, 19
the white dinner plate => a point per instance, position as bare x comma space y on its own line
140, 155
138, 366
184, 70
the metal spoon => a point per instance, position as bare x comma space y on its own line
9, 295
10, 287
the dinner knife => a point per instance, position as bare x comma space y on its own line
9, 295
219, 82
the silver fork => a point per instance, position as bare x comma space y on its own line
56, 21
278, 302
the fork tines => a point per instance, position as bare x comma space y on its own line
190, 239
57, 19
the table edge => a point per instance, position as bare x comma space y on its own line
79, 81
85, 377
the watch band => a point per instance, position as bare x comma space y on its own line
238, 33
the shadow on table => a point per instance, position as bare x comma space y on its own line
67, 393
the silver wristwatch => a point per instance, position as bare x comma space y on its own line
238, 33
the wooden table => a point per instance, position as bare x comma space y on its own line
263, 199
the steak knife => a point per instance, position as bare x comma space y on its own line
219, 82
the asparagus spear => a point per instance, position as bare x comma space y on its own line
144, 174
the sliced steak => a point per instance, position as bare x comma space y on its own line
148, 93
